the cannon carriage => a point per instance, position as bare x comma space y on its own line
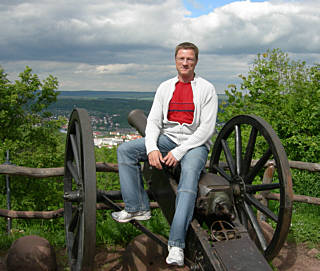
228, 229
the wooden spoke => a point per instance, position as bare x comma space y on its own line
75, 152
229, 157
262, 208
238, 148
255, 224
262, 187
249, 151
222, 172
258, 166
73, 171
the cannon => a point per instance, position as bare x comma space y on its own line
227, 232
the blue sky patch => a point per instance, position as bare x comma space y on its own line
202, 7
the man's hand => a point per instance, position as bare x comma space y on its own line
170, 160
155, 159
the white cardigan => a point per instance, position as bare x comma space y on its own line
186, 136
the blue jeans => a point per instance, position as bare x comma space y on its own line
131, 153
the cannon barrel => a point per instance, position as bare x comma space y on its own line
138, 120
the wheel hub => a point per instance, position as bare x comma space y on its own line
238, 187
73, 196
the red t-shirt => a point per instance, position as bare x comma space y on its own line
181, 106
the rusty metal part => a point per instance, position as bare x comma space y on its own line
241, 255
223, 230
200, 250
214, 196
239, 151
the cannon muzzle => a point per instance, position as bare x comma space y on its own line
138, 120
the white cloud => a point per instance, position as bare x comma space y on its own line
112, 44
249, 27
120, 68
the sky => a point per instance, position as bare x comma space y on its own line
128, 45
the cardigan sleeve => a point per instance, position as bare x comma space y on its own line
154, 123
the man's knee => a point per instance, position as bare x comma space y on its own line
123, 152
192, 171
122, 148
131, 151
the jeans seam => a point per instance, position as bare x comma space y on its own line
139, 189
187, 191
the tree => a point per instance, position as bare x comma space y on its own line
287, 95
25, 124
32, 138
24, 101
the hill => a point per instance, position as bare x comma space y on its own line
105, 104
89, 94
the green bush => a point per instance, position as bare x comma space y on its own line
287, 95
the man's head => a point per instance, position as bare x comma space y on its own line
186, 60
187, 45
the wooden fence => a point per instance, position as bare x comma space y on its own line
13, 170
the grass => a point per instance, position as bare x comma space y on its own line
305, 224
52, 230
113, 233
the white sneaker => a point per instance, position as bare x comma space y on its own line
176, 256
124, 216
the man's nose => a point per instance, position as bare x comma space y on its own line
185, 62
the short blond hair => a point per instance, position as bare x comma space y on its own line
187, 45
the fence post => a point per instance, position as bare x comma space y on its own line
267, 179
8, 194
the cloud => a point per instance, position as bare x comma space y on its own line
112, 44
120, 68
242, 27
67, 30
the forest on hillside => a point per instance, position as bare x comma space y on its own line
115, 107
118, 108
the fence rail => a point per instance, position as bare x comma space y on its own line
13, 170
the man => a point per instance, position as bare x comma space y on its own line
179, 128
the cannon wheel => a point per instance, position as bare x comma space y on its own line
80, 192
246, 143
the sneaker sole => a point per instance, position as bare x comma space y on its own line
140, 218
174, 263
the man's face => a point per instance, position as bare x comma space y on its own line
186, 62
